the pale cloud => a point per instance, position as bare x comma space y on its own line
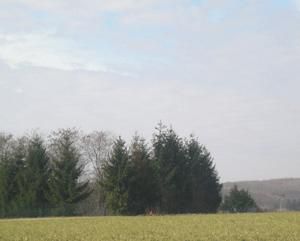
297, 3
19, 90
81, 11
80, 6
45, 50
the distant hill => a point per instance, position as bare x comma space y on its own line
275, 194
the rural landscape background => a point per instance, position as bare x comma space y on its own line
149, 120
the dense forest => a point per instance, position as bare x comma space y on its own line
73, 173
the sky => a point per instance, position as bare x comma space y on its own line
227, 71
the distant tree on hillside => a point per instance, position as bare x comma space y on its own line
293, 204
239, 201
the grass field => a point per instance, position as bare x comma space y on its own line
247, 227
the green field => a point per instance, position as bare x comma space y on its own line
240, 227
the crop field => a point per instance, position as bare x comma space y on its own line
220, 227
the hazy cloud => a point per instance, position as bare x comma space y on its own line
224, 70
297, 3
45, 50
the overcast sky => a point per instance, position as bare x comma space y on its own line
226, 70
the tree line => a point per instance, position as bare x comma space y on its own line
72, 173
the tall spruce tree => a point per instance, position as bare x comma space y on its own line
66, 185
187, 175
15, 178
204, 188
35, 186
5, 164
143, 193
169, 156
115, 178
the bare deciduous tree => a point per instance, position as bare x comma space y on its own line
96, 148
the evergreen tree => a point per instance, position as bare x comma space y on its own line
169, 155
187, 175
143, 191
203, 185
15, 178
115, 178
239, 201
66, 186
5, 162
35, 187
175, 176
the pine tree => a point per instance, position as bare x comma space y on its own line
15, 177
5, 161
188, 180
115, 179
35, 188
66, 186
204, 188
170, 158
143, 191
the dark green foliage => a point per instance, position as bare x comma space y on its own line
174, 175
188, 180
203, 185
143, 193
35, 185
65, 185
30, 186
115, 179
13, 178
239, 201
169, 155
24, 176
6, 172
